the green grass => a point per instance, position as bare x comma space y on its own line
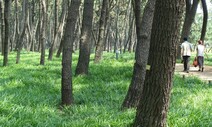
30, 95
191, 103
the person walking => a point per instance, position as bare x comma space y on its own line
186, 49
200, 55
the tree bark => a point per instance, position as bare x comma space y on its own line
33, 26
7, 28
154, 102
51, 49
107, 26
205, 20
56, 17
16, 25
77, 34
43, 33
73, 12
132, 37
61, 27
21, 38
143, 30
84, 56
28, 28
2, 26
189, 19
38, 31
117, 28
128, 30
60, 47
100, 42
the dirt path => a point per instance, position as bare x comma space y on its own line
206, 75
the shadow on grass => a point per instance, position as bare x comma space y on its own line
33, 91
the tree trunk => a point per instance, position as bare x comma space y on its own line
29, 32
189, 19
100, 42
107, 26
61, 27
33, 26
84, 56
73, 12
154, 102
77, 34
16, 26
7, 28
21, 38
143, 30
132, 37
2, 26
128, 39
128, 31
106, 48
43, 33
117, 28
38, 31
60, 47
205, 20
51, 49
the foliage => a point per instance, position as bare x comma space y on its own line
197, 27
30, 95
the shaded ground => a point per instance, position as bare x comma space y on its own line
206, 75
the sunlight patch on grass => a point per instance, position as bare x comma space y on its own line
190, 103
30, 95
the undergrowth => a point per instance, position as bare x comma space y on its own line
30, 95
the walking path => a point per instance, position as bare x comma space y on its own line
206, 75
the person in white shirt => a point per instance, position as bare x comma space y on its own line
186, 49
200, 55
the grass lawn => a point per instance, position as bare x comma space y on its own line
30, 95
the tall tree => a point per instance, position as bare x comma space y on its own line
100, 42
191, 8
29, 29
21, 37
61, 26
205, 19
33, 26
129, 25
117, 27
51, 49
43, 32
38, 32
154, 102
7, 28
107, 26
143, 30
84, 56
16, 25
73, 12
2, 27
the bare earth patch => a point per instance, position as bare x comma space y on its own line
206, 75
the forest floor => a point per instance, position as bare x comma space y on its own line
206, 75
